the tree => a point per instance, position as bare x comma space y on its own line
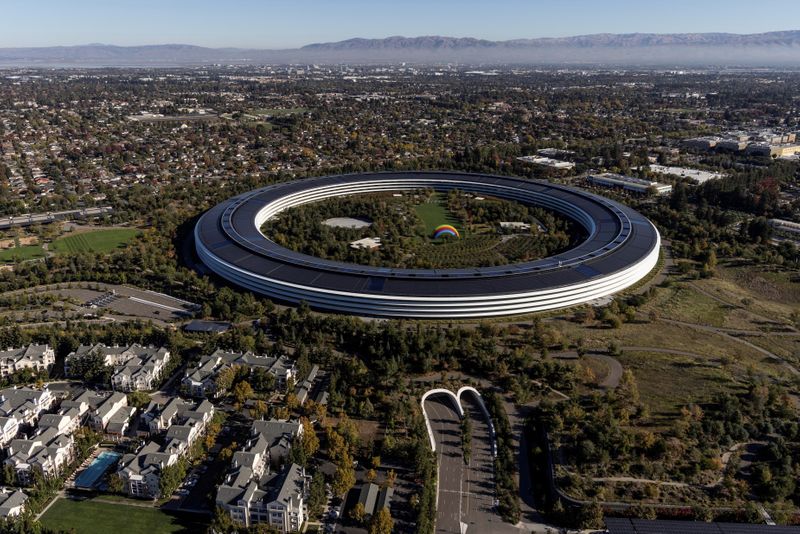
115, 483
591, 515
344, 478
466, 438
358, 513
138, 399
292, 401
9, 475
224, 379
370, 475
316, 495
391, 476
91, 368
259, 409
171, 477
241, 392
381, 522
310, 441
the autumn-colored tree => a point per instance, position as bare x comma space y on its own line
344, 478
310, 439
370, 475
391, 476
381, 522
259, 409
241, 392
225, 379
292, 402
358, 513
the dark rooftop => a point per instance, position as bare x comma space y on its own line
212, 327
643, 526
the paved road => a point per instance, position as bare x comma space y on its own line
466, 492
447, 433
478, 497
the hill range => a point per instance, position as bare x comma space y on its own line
724, 49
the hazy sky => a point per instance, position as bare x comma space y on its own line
291, 23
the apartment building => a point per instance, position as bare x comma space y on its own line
136, 368
200, 381
35, 357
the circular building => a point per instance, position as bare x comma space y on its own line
621, 248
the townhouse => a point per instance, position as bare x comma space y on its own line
200, 381
277, 499
141, 472
135, 368
47, 452
25, 405
12, 502
36, 357
251, 495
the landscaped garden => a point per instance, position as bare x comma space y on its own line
406, 226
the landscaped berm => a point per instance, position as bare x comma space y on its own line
102, 241
89, 517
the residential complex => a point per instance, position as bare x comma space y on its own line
277, 499
200, 380
47, 444
251, 493
21, 407
141, 472
36, 357
136, 368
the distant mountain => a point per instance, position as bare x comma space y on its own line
435, 42
773, 48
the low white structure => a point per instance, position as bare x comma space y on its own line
629, 183
346, 222
36, 357
785, 226
369, 243
515, 225
548, 162
695, 175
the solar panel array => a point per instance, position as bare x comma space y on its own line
643, 526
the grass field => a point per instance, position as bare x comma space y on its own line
27, 252
434, 214
668, 382
95, 241
89, 517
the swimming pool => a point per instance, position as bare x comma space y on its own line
89, 477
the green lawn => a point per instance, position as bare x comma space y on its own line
95, 241
89, 517
26, 252
434, 214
